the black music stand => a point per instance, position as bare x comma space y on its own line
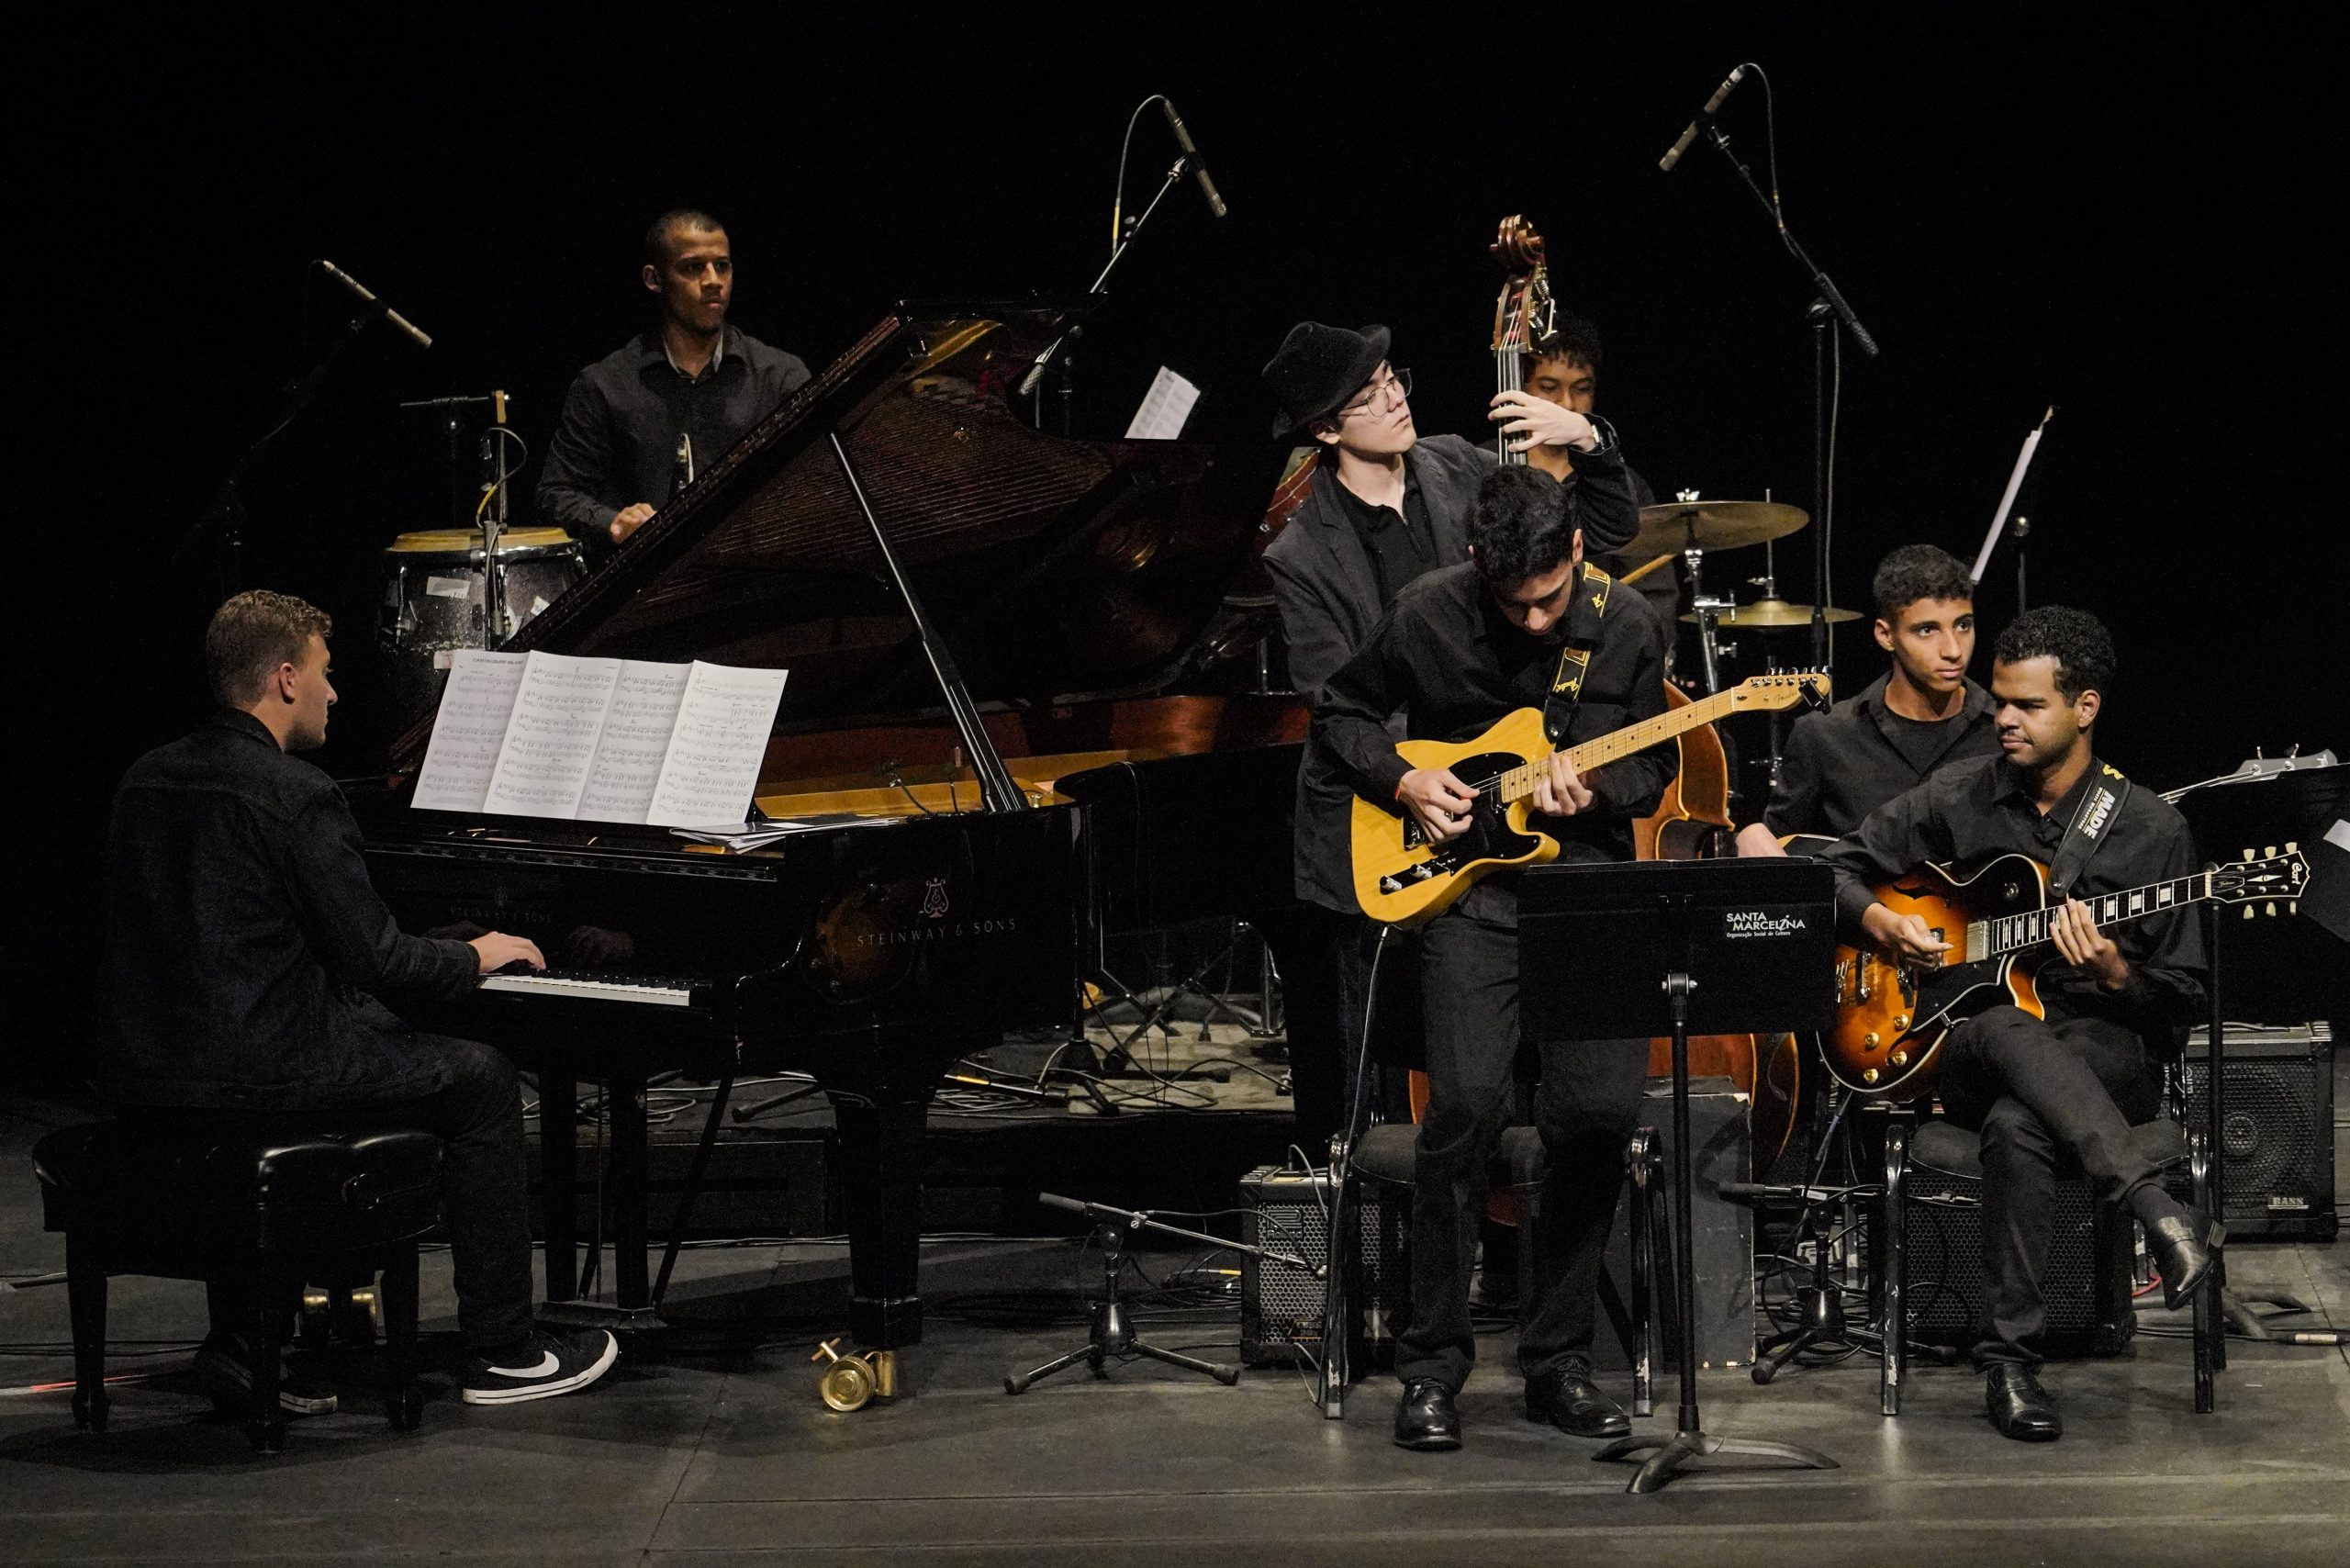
1664, 947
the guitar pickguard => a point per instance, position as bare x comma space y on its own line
1490, 836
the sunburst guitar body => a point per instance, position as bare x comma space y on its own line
1893, 1016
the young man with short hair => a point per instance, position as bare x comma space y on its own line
1917, 718
692, 377
1463, 647
247, 964
2073, 1083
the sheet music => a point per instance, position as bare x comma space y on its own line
552, 735
469, 730
1165, 407
720, 737
637, 725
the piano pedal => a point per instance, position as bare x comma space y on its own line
855, 1380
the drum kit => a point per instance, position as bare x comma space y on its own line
1688, 528
446, 589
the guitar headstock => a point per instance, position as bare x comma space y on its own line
1524, 313
1807, 688
2264, 881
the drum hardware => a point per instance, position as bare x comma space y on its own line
1689, 527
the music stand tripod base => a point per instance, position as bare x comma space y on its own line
1748, 927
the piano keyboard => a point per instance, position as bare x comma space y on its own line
594, 988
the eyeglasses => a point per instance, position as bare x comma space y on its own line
1397, 387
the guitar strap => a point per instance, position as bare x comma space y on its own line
2092, 819
1566, 682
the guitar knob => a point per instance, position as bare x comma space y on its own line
1870, 1039
1901, 1021
1901, 1058
1868, 1075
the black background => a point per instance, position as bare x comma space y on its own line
2123, 219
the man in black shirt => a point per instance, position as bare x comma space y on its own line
640, 422
246, 954
1386, 505
2073, 1083
1463, 647
1919, 717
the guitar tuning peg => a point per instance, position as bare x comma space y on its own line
2291, 848
2272, 906
2249, 912
2248, 855
2270, 852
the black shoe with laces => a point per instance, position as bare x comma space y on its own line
538, 1367
1567, 1398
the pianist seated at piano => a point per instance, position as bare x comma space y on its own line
249, 984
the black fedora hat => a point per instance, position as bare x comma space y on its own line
1319, 368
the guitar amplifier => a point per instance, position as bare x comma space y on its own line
2086, 1284
2277, 1127
1280, 1308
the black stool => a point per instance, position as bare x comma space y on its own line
2092, 1244
188, 1203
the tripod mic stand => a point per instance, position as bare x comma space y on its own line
1113, 1331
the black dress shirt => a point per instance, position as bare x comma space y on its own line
245, 948
617, 444
1971, 813
1452, 664
1842, 764
1402, 545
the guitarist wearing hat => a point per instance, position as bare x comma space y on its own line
2071, 1083
1522, 624
1386, 505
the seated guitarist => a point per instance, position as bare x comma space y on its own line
1463, 647
2073, 1083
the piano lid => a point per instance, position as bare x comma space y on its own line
1056, 569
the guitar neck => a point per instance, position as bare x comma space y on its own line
1518, 782
2004, 934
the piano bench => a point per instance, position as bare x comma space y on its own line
147, 1197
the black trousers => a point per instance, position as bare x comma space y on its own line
2042, 1094
1588, 1105
484, 1193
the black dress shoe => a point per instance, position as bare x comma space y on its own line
2019, 1407
1568, 1400
1427, 1418
2185, 1246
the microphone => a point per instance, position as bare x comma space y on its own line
1199, 165
1721, 94
368, 294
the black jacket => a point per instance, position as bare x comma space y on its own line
244, 945
1842, 764
1327, 591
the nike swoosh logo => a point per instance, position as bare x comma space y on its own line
547, 1363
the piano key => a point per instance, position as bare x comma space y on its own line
593, 987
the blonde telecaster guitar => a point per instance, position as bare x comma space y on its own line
1402, 879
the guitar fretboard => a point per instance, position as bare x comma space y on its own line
1518, 782
2012, 933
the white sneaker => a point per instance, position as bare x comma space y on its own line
546, 1365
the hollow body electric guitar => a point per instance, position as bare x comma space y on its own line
1892, 1017
1404, 878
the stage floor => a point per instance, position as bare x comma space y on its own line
707, 1448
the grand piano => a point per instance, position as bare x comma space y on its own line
1017, 714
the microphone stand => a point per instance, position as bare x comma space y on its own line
225, 513
1054, 357
1830, 301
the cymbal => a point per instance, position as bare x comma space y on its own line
1773, 615
1674, 526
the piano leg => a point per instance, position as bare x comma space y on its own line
880, 1150
624, 1190
559, 1181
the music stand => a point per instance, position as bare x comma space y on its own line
1665, 946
